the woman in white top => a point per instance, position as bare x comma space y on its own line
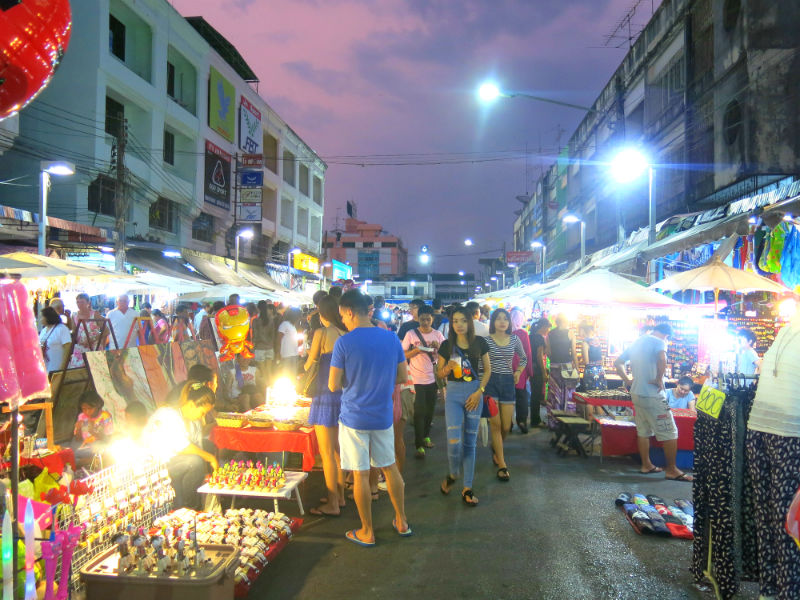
773, 456
55, 339
288, 343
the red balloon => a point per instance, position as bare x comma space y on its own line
34, 34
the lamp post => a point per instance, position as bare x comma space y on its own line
627, 166
543, 246
488, 92
322, 272
48, 168
571, 218
246, 234
289, 255
494, 280
503, 274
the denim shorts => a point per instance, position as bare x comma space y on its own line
502, 388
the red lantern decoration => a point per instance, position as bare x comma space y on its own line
34, 35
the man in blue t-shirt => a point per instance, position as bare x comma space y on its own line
366, 364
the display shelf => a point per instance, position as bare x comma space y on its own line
766, 330
293, 480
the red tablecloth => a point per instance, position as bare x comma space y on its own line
619, 437
54, 462
254, 439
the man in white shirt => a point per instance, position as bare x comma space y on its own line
747, 359
122, 321
481, 328
198, 318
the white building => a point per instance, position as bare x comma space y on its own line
180, 87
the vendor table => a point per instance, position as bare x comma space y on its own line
588, 398
257, 439
54, 462
293, 480
619, 437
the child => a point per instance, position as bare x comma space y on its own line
93, 427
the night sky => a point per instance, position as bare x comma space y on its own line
365, 82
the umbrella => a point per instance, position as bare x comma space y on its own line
601, 286
34, 266
716, 275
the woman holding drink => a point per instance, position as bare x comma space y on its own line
466, 367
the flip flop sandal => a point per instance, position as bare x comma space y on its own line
502, 474
681, 477
653, 470
469, 498
406, 533
448, 482
351, 536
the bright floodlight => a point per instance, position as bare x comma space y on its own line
463, 282
461, 273
569, 218
537, 244
488, 92
468, 242
171, 253
246, 234
424, 259
628, 165
58, 167
295, 251
493, 278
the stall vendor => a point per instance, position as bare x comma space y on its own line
681, 396
93, 427
177, 431
747, 360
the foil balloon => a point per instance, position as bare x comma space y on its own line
28, 357
233, 324
34, 34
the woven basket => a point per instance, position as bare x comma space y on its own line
234, 420
262, 423
287, 426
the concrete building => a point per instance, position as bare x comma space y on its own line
371, 251
448, 287
187, 105
706, 91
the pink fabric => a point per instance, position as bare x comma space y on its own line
528, 372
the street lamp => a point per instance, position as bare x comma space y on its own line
489, 91
571, 218
468, 242
503, 273
366, 283
538, 244
461, 273
246, 234
59, 168
627, 166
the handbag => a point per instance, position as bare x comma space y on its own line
570, 376
491, 406
483, 432
308, 384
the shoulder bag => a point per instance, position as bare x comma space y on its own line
308, 384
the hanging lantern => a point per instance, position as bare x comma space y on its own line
34, 34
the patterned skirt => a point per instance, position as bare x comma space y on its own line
559, 392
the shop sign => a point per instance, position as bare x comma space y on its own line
340, 270
251, 178
520, 257
306, 262
221, 111
249, 127
249, 212
217, 190
710, 401
253, 161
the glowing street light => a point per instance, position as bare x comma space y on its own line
48, 168
468, 242
627, 166
570, 219
461, 273
537, 244
489, 91
246, 234
424, 259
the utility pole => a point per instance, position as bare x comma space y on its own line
121, 200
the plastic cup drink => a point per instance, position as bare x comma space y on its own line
457, 372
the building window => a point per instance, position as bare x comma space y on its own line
730, 13
368, 244
419, 291
303, 179
101, 196
287, 213
163, 214
169, 148
732, 121
116, 37
203, 228
271, 153
288, 168
302, 222
318, 190
316, 228
115, 116
348, 244
388, 244
170, 80
329, 244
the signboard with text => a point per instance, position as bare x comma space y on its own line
340, 270
306, 262
221, 109
249, 207
249, 127
251, 178
517, 258
217, 189
253, 161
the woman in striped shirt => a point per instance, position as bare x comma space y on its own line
503, 345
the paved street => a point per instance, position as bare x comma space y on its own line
551, 533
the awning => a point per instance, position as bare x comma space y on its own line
215, 268
259, 278
698, 235
156, 262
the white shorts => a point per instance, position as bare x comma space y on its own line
653, 417
361, 448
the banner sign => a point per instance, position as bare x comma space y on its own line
249, 212
250, 195
249, 127
517, 258
306, 262
217, 189
251, 178
253, 161
340, 270
221, 111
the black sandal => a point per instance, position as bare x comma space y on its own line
502, 474
449, 481
467, 496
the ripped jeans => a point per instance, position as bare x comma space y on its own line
462, 429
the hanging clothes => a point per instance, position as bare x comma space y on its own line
737, 254
761, 243
790, 260
722, 494
772, 260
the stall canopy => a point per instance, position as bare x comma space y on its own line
155, 262
216, 270
35, 266
603, 287
223, 291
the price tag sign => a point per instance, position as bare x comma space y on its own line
710, 401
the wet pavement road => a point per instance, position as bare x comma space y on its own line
552, 532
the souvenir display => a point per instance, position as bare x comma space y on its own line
248, 477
